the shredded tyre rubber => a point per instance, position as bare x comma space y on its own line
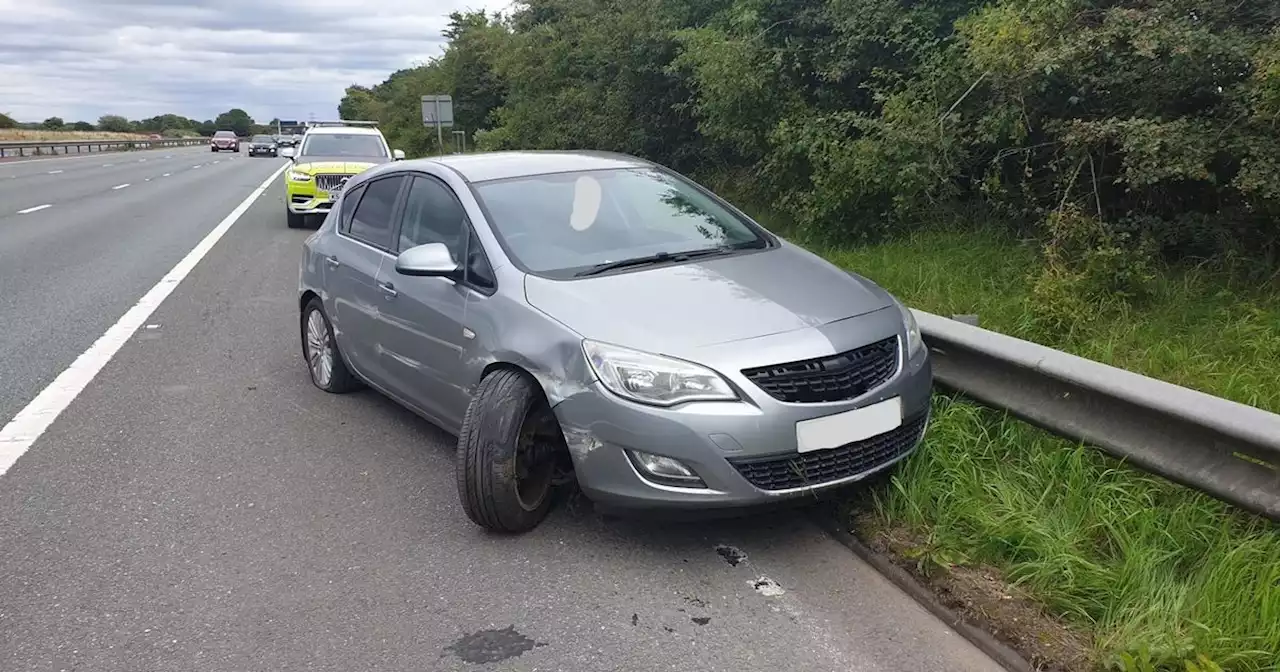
487, 444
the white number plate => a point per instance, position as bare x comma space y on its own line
832, 431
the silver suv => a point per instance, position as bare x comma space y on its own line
601, 318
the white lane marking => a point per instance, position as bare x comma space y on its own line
38, 207
36, 417
142, 160
120, 186
165, 175
107, 165
54, 172
147, 180
194, 167
217, 162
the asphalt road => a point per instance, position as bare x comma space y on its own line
201, 506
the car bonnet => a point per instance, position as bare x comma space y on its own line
339, 164
676, 309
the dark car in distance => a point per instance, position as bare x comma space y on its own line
262, 145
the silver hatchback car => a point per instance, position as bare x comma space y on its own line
594, 316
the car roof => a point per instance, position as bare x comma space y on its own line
503, 165
345, 130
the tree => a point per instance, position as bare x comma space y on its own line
358, 103
114, 123
82, 126
236, 120
53, 124
7, 121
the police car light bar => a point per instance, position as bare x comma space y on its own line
343, 122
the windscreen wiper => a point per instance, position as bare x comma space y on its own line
661, 257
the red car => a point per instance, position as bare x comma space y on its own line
224, 140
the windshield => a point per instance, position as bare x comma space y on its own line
262, 138
343, 144
560, 224
224, 134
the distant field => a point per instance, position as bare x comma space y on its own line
17, 134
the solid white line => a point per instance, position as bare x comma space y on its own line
38, 207
36, 417
120, 186
54, 172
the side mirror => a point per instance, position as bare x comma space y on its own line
399, 156
286, 152
430, 260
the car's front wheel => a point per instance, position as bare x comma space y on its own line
508, 452
324, 362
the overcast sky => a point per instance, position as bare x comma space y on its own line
81, 59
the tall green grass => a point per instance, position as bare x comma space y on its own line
1199, 329
1137, 563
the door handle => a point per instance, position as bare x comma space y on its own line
332, 261
388, 289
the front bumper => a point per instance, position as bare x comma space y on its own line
306, 198
745, 452
309, 205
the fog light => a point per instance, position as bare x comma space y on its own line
665, 470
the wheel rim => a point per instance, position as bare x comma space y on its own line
319, 349
534, 465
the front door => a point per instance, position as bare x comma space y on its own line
361, 248
423, 325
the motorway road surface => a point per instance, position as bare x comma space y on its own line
199, 505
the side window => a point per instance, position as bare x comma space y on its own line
349, 201
371, 221
433, 215
479, 272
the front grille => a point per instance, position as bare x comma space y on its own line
797, 470
841, 377
331, 183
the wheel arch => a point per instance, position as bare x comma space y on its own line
306, 298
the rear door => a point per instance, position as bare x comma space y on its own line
363, 245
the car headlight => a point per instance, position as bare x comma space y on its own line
654, 379
915, 342
299, 176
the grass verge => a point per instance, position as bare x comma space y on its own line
1070, 556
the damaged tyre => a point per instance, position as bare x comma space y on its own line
510, 453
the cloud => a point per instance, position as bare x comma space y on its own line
81, 59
